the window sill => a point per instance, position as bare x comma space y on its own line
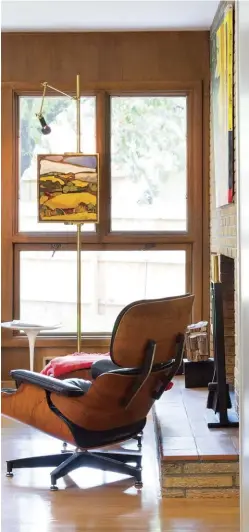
59, 341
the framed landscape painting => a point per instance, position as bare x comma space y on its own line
222, 100
68, 188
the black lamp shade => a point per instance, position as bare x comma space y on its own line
45, 128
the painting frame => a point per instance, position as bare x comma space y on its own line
69, 194
222, 105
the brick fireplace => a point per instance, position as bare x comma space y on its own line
228, 289
223, 241
227, 278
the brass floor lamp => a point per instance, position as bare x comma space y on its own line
68, 187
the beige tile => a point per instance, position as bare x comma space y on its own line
181, 419
235, 440
180, 430
175, 455
199, 428
168, 412
178, 443
215, 445
179, 454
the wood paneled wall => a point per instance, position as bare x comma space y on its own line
127, 60
102, 58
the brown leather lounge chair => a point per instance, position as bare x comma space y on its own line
146, 351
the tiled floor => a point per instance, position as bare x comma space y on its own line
183, 427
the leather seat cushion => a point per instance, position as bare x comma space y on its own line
102, 366
82, 384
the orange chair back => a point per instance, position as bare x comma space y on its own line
159, 320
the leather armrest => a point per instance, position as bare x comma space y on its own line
46, 383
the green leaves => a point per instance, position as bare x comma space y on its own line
148, 138
148, 134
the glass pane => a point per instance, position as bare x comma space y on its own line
148, 163
60, 114
110, 280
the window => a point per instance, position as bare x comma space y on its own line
61, 116
148, 242
148, 163
110, 280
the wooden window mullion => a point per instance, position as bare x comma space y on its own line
103, 120
7, 211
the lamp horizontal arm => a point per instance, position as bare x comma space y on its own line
45, 84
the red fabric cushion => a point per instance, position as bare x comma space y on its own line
65, 364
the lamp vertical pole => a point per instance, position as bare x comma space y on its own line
78, 225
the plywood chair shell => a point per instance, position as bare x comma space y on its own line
159, 320
28, 404
102, 408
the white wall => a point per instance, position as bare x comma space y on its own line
243, 247
103, 15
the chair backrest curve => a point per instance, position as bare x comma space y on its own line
160, 320
116, 399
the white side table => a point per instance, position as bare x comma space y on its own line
31, 330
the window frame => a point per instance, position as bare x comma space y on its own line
72, 247
155, 234
103, 238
